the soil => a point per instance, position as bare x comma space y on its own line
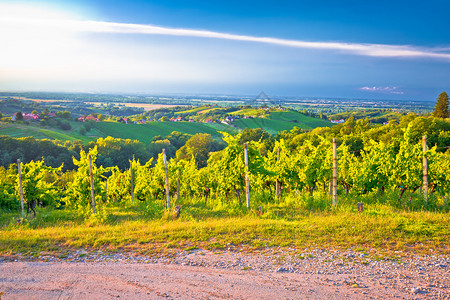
273, 273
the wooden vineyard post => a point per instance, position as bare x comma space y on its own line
20, 187
247, 186
330, 188
167, 179
92, 184
425, 169
132, 184
115, 184
278, 183
178, 184
334, 173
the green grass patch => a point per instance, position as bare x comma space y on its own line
249, 112
145, 133
281, 120
34, 130
193, 110
293, 222
224, 128
18, 131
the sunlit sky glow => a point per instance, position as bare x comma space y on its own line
177, 47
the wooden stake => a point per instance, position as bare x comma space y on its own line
20, 187
425, 169
115, 184
167, 179
247, 185
330, 188
277, 183
334, 173
178, 184
92, 184
132, 184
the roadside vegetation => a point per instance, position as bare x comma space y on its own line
192, 194
300, 222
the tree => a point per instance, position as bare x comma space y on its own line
66, 115
441, 109
100, 117
256, 134
19, 116
198, 147
178, 139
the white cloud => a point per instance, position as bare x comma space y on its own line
41, 48
382, 89
376, 50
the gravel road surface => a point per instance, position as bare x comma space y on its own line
234, 274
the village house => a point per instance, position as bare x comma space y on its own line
87, 118
179, 119
26, 117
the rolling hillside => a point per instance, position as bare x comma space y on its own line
282, 120
34, 130
141, 132
145, 133
272, 123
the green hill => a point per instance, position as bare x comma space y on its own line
21, 130
282, 120
272, 123
141, 132
145, 132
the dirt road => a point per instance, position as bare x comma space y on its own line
206, 275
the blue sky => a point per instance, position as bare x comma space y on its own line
353, 49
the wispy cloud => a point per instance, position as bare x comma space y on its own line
375, 50
382, 89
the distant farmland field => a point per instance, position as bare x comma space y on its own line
145, 106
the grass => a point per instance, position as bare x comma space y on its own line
223, 127
22, 131
193, 110
283, 120
273, 123
34, 130
295, 222
249, 112
210, 110
145, 133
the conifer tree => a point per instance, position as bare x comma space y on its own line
441, 109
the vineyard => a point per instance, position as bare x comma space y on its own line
405, 183
378, 168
